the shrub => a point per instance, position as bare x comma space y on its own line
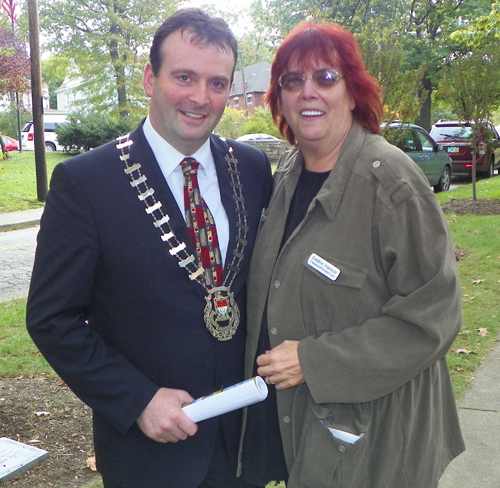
84, 133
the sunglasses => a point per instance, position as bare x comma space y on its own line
322, 78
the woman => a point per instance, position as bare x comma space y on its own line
353, 285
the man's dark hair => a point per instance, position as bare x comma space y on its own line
203, 29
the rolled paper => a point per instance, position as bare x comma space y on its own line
223, 401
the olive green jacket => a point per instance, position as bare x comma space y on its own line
368, 284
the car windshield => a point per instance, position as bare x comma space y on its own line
451, 132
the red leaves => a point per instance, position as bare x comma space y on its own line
14, 64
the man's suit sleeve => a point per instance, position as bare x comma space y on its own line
59, 303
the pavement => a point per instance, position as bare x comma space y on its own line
20, 220
479, 409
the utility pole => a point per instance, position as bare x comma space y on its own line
36, 101
243, 82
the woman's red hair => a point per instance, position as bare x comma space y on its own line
309, 43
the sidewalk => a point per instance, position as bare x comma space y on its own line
479, 409
20, 220
479, 412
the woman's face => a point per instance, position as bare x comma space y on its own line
319, 117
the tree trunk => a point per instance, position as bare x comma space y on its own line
424, 119
119, 68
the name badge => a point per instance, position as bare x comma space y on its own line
323, 266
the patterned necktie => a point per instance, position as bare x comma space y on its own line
201, 225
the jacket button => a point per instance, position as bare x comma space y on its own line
342, 448
274, 331
286, 419
277, 284
376, 164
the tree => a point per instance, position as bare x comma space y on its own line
260, 121
473, 90
108, 40
54, 71
14, 64
419, 28
230, 123
386, 59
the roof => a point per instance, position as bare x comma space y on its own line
256, 76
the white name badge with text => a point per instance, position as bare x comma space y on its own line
323, 266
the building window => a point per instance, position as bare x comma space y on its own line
249, 98
236, 101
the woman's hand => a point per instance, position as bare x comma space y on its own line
281, 366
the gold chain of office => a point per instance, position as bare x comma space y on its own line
221, 313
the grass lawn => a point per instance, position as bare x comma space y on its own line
476, 236
18, 180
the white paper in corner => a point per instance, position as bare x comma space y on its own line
237, 396
344, 436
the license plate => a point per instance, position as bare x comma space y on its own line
453, 149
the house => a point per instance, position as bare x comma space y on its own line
249, 87
70, 92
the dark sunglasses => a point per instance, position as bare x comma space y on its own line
322, 78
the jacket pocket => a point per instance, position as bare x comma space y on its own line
330, 290
323, 460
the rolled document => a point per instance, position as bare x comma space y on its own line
237, 396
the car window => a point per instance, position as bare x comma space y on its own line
407, 141
425, 141
450, 132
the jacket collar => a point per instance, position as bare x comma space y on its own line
330, 194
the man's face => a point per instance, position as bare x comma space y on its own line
189, 94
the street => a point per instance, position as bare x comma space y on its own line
17, 251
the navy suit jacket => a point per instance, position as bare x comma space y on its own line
117, 318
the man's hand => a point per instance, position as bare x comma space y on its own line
163, 419
281, 366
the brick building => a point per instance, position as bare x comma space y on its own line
248, 89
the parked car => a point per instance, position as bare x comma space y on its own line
10, 143
419, 145
455, 138
257, 137
28, 140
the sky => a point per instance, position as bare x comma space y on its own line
244, 22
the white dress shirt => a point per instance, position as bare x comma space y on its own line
169, 160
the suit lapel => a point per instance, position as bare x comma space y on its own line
219, 151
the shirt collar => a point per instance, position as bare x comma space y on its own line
169, 158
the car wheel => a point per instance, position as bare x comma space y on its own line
491, 169
49, 146
444, 181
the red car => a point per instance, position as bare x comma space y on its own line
10, 143
455, 138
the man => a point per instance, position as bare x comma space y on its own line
122, 303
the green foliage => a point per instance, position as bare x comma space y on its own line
108, 41
471, 83
386, 59
8, 121
440, 113
89, 132
411, 40
54, 71
260, 122
231, 122
483, 28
